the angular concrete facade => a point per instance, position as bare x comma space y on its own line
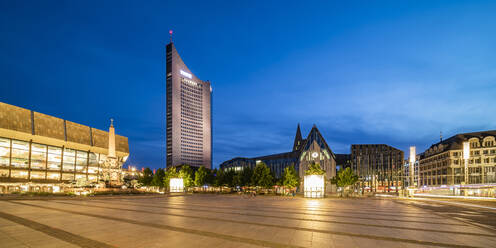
188, 110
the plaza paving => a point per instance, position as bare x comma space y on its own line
234, 221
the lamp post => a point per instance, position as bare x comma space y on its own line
412, 166
466, 156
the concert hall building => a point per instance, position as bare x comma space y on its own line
188, 114
39, 152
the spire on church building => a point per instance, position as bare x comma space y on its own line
298, 140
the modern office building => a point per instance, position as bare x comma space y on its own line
443, 163
305, 151
189, 119
343, 161
378, 166
39, 152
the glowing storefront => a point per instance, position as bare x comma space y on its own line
39, 152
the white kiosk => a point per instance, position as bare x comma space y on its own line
314, 186
176, 185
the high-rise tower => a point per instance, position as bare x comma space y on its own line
189, 121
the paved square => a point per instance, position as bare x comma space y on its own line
231, 221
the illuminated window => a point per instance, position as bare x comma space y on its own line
37, 175
69, 159
81, 161
38, 156
53, 176
4, 152
19, 174
54, 158
93, 160
68, 176
20, 154
80, 176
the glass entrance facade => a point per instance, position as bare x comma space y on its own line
33, 161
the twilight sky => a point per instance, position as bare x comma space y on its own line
392, 72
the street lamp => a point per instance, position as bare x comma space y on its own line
466, 156
412, 165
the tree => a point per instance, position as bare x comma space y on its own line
170, 172
147, 177
236, 179
186, 173
228, 179
219, 178
158, 178
314, 169
262, 176
290, 178
211, 177
201, 176
245, 176
345, 178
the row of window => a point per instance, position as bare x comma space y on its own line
191, 82
192, 86
195, 152
16, 153
195, 108
195, 133
196, 91
193, 138
189, 100
191, 96
190, 104
458, 162
23, 174
191, 126
192, 116
476, 144
198, 123
191, 92
192, 143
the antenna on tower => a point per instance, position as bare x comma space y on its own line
170, 35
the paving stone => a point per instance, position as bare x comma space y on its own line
230, 221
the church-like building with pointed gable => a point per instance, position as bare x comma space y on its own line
305, 151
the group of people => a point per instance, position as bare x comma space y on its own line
250, 193
253, 193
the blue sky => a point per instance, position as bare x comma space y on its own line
393, 72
